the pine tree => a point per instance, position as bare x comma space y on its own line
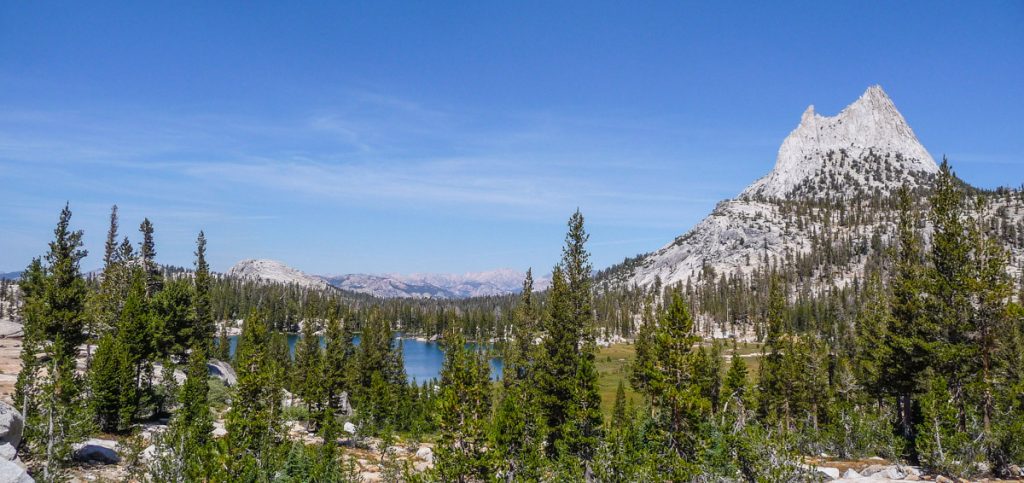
773, 380
586, 421
463, 408
991, 289
193, 416
677, 391
62, 414
567, 378
585, 426
643, 371
55, 300
173, 320
205, 329
135, 334
338, 364
950, 279
224, 345
619, 409
735, 388
32, 285
708, 373
104, 304
250, 425
908, 340
147, 258
110, 247
65, 294
521, 358
517, 430
940, 442
111, 381
872, 325
307, 374
380, 377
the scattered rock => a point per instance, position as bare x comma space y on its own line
425, 454
149, 453
1014, 470
872, 469
98, 451
179, 375
150, 430
344, 407
349, 428
11, 329
223, 371
290, 400
892, 473
943, 479
369, 476
421, 466
11, 472
851, 474
831, 473
219, 431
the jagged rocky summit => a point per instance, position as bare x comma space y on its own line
868, 147
866, 150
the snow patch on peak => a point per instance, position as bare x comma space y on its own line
818, 146
273, 271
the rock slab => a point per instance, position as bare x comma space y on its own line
12, 424
223, 371
10, 472
95, 450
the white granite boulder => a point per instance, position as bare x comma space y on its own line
11, 472
95, 450
223, 371
11, 426
11, 329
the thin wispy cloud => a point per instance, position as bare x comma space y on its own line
367, 152
363, 152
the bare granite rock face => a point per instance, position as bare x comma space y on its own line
867, 150
12, 424
223, 371
11, 329
273, 271
11, 472
872, 124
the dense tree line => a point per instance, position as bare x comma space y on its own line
920, 362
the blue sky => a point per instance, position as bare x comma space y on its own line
447, 137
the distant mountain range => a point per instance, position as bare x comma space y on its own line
10, 275
420, 285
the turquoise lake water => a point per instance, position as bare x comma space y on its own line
423, 359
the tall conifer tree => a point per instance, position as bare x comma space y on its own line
205, 328
567, 379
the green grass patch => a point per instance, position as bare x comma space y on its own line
612, 367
